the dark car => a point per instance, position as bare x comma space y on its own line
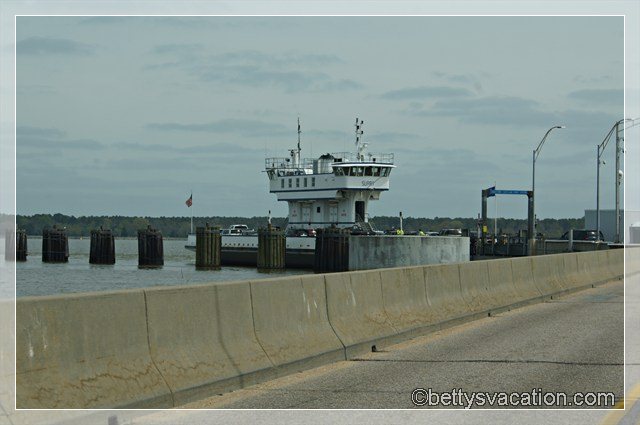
583, 235
357, 230
450, 232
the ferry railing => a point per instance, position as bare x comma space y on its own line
383, 158
287, 164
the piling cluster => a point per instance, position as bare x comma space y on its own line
103, 249
21, 245
332, 250
271, 248
208, 247
55, 245
150, 250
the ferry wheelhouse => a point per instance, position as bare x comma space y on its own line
332, 190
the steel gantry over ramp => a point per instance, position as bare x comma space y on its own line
492, 191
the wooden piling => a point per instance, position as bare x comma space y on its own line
272, 247
21, 245
208, 247
55, 245
332, 250
150, 250
103, 249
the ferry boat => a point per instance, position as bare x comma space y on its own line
333, 190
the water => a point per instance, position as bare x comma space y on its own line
34, 277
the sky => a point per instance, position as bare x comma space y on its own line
130, 115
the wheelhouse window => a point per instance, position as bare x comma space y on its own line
305, 182
339, 171
375, 171
289, 182
297, 182
367, 171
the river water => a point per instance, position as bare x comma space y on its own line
34, 277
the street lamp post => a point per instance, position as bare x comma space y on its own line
532, 226
618, 176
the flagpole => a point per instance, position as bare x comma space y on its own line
192, 212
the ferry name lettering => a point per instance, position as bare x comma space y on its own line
368, 183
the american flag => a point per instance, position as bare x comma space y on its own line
189, 201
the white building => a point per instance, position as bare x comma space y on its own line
632, 231
607, 223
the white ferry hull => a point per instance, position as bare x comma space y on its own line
242, 250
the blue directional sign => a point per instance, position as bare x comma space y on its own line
510, 192
494, 192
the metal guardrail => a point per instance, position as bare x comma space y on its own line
283, 163
556, 246
382, 158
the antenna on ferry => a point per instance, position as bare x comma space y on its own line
299, 131
359, 133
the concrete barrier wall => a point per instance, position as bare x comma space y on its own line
375, 252
570, 278
501, 283
474, 285
202, 339
291, 323
444, 294
547, 271
615, 261
522, 270
78, 351
162, 347
356, 310
593, 266
404, 298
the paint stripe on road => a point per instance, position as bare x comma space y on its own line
627, 410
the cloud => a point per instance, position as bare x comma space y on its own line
599, 96
180, 49
395, 138
42, 138
494, 110
53, 46
43, 143
216, 149
424, 92
25, 130
592, 80
468, 79
291, 71
282, 60
251, 128
254, 76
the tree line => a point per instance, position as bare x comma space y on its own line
179, 227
